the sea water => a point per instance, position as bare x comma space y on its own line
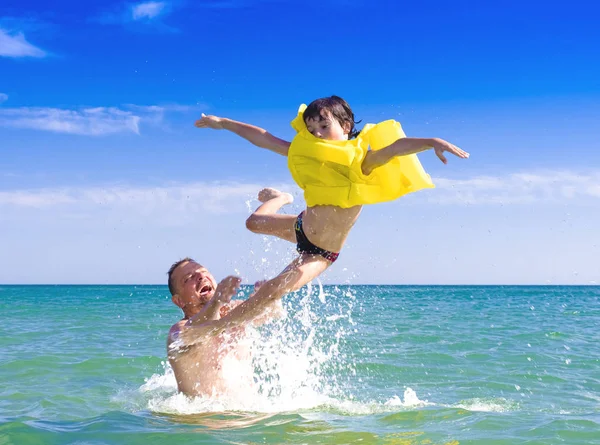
347, 364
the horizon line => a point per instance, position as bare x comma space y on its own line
329, 284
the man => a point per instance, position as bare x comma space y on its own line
209, 348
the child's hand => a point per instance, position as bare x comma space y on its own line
214, 122
441, 146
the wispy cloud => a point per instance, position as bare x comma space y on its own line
14, 44
518, 188
167, 206
38, 199
202, 197
176, 108
87, 121
148, 10
96, 121
3, 97
210, 197
145, 14
158, 224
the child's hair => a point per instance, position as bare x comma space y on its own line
337, 107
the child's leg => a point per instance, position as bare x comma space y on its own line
267, 221
303, 270
306, 268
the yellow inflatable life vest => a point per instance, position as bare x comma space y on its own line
330, 172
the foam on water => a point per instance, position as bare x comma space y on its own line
162, 397
498, 405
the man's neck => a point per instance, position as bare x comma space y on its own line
209, 311
191, 312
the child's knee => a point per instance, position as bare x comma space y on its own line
253, 224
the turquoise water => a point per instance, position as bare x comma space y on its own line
360, 364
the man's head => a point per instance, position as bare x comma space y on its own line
191, 285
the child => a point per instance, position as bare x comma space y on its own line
338, 175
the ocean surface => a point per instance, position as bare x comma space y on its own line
347, 365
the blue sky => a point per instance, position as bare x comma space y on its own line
104, 179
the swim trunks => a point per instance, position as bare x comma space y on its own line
305, 246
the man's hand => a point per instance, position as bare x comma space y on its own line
214, 122
440, 146
257, 285
227, 289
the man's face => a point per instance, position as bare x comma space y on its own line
194, 284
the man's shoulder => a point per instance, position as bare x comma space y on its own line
177, 326
184, 334
175, 339
176, 329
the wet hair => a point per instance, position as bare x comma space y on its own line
172, 269
335, 106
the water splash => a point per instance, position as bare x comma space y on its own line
300, 363
292, 359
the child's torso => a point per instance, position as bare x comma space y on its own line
328, 226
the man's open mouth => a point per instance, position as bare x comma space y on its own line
204, 289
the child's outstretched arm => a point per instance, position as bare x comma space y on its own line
255, 135
408, 146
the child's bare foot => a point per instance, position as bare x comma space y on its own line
267, 194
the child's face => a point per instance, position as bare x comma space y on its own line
327, 128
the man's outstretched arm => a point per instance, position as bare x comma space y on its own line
292, 278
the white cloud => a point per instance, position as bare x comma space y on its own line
135, 232
15, 45
147, 10
518, 188
158, 224
3, 97
144, 13
187, 202
156, 113
203, 197
87, 121
38, 199
196, 200
167, 108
